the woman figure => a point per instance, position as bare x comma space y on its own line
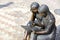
34, 9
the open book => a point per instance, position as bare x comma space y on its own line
35, 28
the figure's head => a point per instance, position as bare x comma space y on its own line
43, 9
34, 7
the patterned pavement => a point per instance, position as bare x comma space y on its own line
14, 13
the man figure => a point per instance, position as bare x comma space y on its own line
48, 20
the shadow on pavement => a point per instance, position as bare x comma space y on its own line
57, 11
5, 5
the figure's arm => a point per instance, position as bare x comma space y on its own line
30, 23
33, 17
48, 28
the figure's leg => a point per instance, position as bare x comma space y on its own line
53, 39
54, 35
35, 37
28, 38
25, 36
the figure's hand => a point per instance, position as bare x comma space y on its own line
33, 24
34, 32
29, 23
25, 39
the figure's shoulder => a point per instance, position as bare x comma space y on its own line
51, 16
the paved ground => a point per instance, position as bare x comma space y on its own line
14, 13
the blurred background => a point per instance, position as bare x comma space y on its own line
14, 13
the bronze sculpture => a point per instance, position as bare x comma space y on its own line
45, 21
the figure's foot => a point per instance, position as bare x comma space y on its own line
25, 39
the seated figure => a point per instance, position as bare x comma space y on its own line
46, 18
34, 9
